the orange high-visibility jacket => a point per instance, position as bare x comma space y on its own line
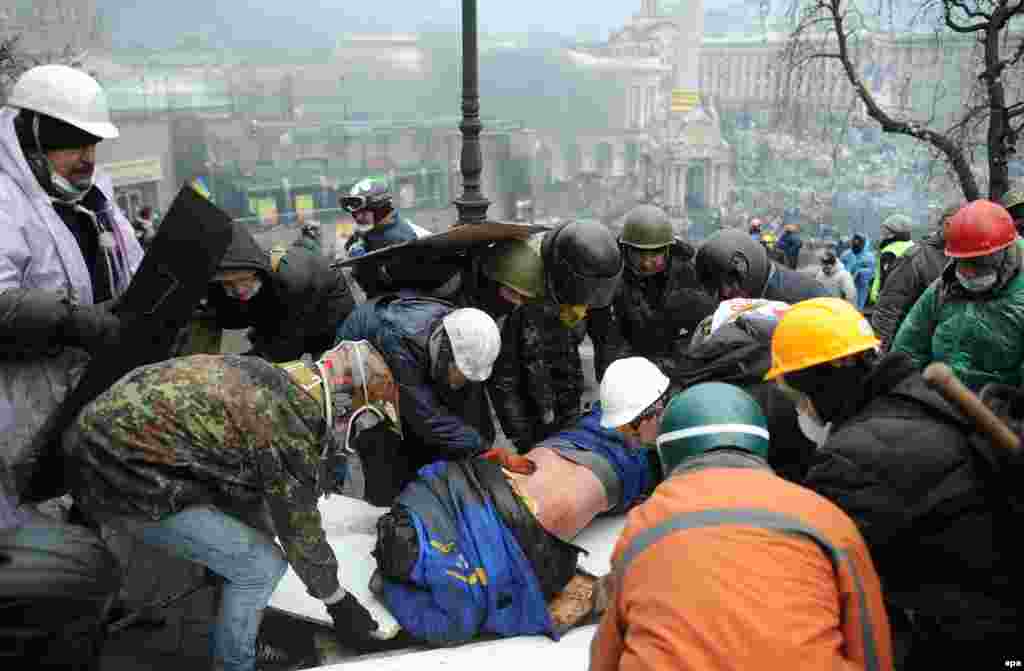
737, 569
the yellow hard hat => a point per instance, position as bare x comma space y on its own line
816, 331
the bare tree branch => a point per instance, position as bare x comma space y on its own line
1015, 110
889, 125
947, 6
970, 13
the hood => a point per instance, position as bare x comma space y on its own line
896, 374
12, 158
244, 253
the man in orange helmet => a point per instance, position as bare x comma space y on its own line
906, 467
972, 317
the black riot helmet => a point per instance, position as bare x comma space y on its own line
731, 260
582, 264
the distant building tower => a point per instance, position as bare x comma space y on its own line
649, 8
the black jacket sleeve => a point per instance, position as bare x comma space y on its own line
313, 301
902, 288
505, 386
604, 329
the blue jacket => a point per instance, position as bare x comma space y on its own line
789, 244
471, 575
446, 424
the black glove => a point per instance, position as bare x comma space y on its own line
353, 624
91, 327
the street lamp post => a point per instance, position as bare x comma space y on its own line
472, 205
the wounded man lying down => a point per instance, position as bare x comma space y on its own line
471, 547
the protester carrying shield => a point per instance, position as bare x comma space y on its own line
68, 253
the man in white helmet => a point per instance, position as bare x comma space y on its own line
440, 357
65, 250
483, 545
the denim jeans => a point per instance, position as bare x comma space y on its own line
249, 560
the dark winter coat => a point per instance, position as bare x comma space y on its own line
907, 279
790, 286
439, 423
298, 308
900, 463
790, 244
740, 353
538, 375
654, 316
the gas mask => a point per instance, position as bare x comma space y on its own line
243, 292
571, 315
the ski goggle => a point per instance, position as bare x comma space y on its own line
353, 204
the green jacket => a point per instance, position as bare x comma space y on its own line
979, 338
897, 249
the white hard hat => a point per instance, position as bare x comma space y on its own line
475, 342
66, 94
629, 387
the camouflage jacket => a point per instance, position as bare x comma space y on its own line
230, 431
538, 376
654, 317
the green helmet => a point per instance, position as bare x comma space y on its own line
1014, 197
709, 416
516, 264
646, 227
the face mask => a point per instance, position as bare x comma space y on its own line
571, 315
244, 292
655, 261
977, 284
68, 191
857, 247
829, 269
811, 426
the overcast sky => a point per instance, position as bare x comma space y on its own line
317, 22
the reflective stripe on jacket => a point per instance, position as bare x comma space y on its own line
734, 568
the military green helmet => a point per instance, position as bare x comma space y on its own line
1014, 197
710, 416
516, 264
646, 227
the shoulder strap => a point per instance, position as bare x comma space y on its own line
764, 519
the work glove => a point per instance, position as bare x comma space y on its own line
353, 627
91, 327
509, 460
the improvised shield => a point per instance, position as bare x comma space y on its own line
170, 282
428, 262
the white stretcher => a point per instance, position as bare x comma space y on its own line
351, 531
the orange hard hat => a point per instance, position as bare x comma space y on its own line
817, 331
979, 228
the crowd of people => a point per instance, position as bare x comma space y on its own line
797, 494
